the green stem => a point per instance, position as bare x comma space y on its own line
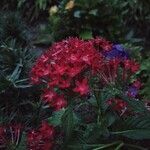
86, 145
119, 146
121, 132
99, 114
107, 145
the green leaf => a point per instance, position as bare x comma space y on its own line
68, 123
87, 34
137, 134
110, 118
77, 14
22, 143
93, 12
56, 118
4, 83
137, 127
135, 104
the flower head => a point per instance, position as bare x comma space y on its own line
41, 139
82, 87
63, 65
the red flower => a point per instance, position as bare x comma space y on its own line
47, 131
59, 102
100, 42
48, 146
60, 69
48, 95
82, 87
118, 105
65, 63
63, 84
135, 67
73, 71
131, 65
137, 84
41, 139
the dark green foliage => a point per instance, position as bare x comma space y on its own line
13, 28
31, 10
144, 74
113, 19
17, 97
108, 130
90, 125
15, 63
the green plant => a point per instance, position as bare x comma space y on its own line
117, 20
17, 96
33, 9
12, 27
90, 88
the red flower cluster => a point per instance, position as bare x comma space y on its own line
10, 135
114, 69
68, 65
64, 66
101, 44
41, 139
118, 105
55, 100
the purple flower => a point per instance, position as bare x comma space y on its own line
132, 91
118, 51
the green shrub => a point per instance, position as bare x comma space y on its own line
13, 27
118, 20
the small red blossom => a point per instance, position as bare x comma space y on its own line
102, 44
135, 67
41, 139
82, 87
54, 100
59, 103
137, 84
48, 95
63, 84
60, 69
118, 105
73, 71
131, 65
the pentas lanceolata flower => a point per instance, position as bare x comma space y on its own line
42, 138
67, 67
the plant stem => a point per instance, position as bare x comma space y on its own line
119, 146
107, 145
99, 109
